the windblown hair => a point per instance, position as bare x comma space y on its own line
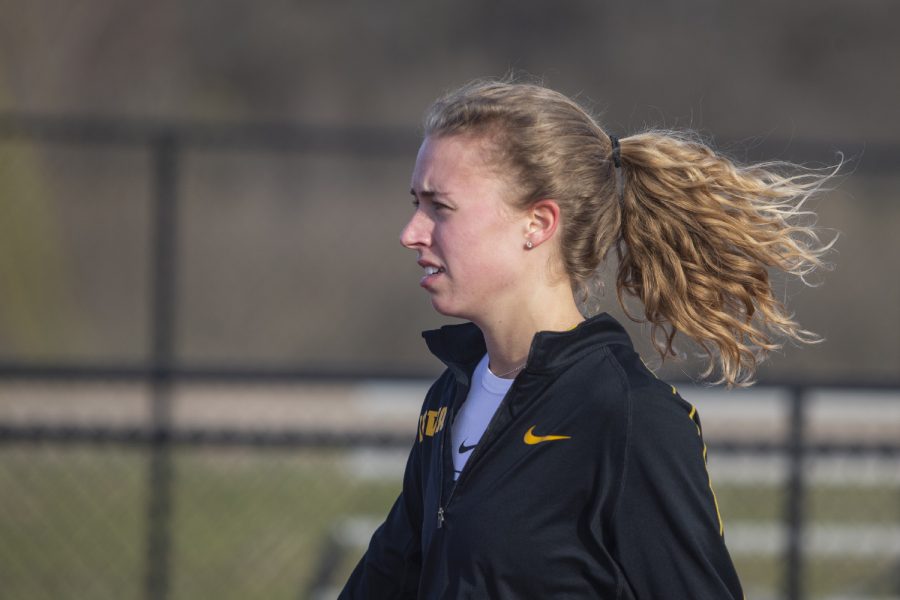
695, 233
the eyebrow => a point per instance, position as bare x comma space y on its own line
426, 193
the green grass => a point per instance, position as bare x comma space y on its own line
853, 577
837, 504
250, 523
71, 522
824, 503
759, 575
746, 503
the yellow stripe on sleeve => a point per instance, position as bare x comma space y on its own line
708, 477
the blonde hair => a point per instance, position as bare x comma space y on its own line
694, 232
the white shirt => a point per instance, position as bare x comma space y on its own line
485, 395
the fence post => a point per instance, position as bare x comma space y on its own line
159, 490
794, 513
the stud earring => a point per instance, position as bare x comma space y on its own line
528, 244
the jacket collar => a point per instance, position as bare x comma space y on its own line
462, 346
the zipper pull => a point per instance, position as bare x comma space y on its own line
440, 517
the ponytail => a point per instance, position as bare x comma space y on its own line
698, 234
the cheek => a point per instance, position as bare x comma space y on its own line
482, 250
488, 258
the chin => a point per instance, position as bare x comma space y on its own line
441, 308
448, 310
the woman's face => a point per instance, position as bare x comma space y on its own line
468, 238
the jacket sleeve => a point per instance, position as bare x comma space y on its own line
390, 567
669, 537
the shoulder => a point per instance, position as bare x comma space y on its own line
616, 376
645, 390
651, 410
661, 426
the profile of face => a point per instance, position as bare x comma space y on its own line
467, 236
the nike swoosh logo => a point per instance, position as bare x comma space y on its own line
532, 439
463, 448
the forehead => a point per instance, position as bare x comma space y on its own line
452, 163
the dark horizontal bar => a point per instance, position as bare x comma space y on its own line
318, 439
379, 141
369, 141
330, 439
325, 373
217, 374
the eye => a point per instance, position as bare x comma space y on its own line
415, 202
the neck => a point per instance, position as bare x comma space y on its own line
508, 336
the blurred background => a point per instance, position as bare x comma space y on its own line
211, 366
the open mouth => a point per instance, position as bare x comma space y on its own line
431, 273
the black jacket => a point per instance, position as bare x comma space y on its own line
589, 482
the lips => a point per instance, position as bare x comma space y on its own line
432, 272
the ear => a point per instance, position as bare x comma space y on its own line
543, 219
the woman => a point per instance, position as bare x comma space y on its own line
549, 461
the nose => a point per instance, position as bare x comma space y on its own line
417, 232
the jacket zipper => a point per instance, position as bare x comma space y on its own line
444, 434
466, 468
